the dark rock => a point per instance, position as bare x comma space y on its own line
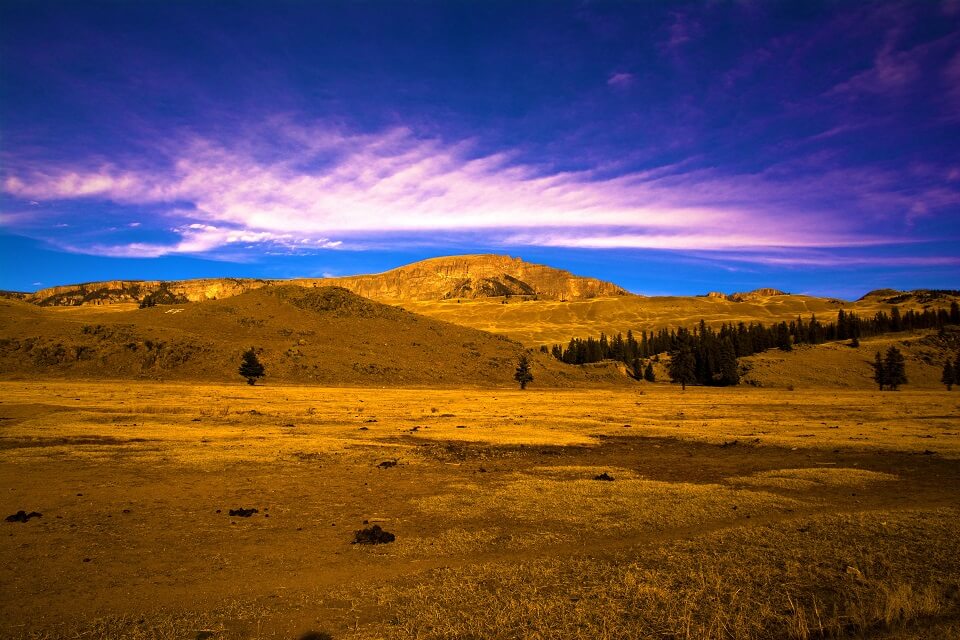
243, 513
373, 535
386, 464
606, 477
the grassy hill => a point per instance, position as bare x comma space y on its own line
837, 365
324, 335
536, 322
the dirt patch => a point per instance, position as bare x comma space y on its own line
30, 442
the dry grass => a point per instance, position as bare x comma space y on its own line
238, 421
805, 479
501, 530
621, 507
839, 576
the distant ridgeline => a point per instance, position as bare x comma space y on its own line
711, 349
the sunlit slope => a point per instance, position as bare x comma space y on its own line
449, 277
325, 335
536, 322
837, 365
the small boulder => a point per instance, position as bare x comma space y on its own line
373, 535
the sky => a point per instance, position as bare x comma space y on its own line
670, 147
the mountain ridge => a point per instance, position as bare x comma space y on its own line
442, 278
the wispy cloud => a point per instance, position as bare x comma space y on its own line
312, 189
894, 70
683, 28
620, 79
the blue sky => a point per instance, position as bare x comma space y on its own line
669, 147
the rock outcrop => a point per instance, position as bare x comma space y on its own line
471, 276
747, 296
474, 276
163, 292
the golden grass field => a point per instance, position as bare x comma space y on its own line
733, 513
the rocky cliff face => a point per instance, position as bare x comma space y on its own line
163, 292
748, 296
475, 276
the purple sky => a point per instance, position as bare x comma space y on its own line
670, 147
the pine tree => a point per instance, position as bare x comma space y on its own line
636, 369
949, 376
250, 367
879, 371
895, 368
683, 366
648, 374
954, 312
522, 374
783, 337
896, 322
729, 369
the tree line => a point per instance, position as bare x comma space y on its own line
709, 356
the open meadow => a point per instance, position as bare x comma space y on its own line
731, 513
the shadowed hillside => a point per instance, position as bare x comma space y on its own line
324, 335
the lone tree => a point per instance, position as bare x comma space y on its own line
879, 371
895, 368
683, 367
949, 376
522, 374
251, 368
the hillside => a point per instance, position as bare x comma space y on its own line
554, 322
837, 365
455, 277
534, 304
324, 335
